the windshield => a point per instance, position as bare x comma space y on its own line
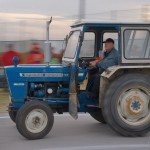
72, 45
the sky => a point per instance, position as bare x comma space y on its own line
25, 19
67, 7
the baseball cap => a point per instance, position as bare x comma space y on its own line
109, 40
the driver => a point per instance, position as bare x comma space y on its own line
110, 58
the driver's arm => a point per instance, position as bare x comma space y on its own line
93, 63
107, 62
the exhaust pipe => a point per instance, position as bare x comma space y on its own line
47, 51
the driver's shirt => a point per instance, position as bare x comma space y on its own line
110, 59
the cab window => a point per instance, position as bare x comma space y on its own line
88, 45
136, 43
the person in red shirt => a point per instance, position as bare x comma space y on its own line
7, 57
1, 60
35, 56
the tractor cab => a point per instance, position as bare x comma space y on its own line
131, 40
86, 40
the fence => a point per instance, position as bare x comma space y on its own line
24, 46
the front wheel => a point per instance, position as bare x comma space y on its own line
127, 105
34, 120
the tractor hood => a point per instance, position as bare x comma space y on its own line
41, 73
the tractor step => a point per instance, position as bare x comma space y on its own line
92, 108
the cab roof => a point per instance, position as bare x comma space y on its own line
107, 22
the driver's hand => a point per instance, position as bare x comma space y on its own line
93, 63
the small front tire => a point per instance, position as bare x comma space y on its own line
34, 120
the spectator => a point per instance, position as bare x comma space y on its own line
0, 59
56, 57
7, 57
35, 56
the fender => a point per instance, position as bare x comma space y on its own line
115, 71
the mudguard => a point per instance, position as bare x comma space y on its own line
73, 98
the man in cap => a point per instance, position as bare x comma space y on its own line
110, 58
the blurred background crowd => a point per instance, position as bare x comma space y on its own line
35, 54
23, 26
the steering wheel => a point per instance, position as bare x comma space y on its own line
85, 64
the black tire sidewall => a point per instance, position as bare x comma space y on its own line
24, 111
110, 109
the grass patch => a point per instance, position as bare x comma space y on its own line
4, 100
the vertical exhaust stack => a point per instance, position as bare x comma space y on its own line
47, 52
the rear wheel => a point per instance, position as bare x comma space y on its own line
127, 105
34, 120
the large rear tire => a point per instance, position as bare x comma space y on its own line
34, 120
127, 105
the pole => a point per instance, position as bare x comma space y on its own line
81, 9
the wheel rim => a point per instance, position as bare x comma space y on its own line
134, 106
36, 121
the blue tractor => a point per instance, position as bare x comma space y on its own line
39, 91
